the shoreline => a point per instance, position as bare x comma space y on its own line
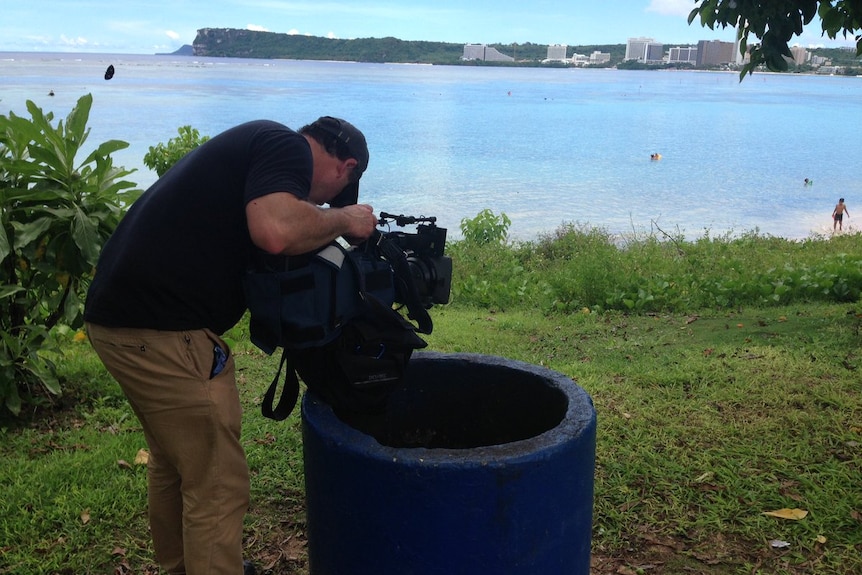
191, 58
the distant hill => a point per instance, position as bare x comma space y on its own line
185, 50
237, 43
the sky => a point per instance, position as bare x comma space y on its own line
158, 26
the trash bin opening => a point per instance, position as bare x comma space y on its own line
455, 404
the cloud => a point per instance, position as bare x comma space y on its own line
172, 35
256, 28
79, 41
295, 32
671, 7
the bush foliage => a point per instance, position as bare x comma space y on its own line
162, 156
580, 268
55, 215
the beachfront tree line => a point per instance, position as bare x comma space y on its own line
234, 43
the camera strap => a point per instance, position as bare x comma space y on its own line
415, 310
289, 393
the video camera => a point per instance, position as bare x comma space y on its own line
430, 269
422, 273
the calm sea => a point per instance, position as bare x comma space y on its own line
545, 146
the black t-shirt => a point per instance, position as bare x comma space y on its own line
177, 258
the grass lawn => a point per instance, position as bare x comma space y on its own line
705, 422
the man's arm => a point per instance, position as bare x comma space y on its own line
281, 223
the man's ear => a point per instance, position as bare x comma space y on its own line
347, 166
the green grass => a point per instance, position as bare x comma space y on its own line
705, 422
707, 418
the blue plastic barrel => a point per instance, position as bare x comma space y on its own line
480, 466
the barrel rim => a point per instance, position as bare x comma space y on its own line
580, 417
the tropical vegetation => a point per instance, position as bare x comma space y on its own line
162, 156
56, 212
587, 268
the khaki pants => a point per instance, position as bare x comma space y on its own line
198, 481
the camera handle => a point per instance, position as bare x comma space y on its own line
401, 220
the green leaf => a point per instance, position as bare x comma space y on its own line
45, 196
53, 157
61, 213
831, 20
13, 400
9, 290
692, 15
73, 307
27, 233
85, 232
809, 10
106, 149
5, 248
76, 121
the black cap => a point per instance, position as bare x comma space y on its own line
354, 141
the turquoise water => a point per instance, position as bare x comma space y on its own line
545, 146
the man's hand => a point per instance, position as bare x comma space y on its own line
361, 222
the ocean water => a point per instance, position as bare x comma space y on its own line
544, 146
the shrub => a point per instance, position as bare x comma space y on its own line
579, 267
486, 228
493, 275
162, 156
55, 216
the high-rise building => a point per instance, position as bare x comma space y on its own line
683, 54
715, 53
600, 57
473, 52
644, 50
484, 52
654, 52
636, 48
557, 53
800, 55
